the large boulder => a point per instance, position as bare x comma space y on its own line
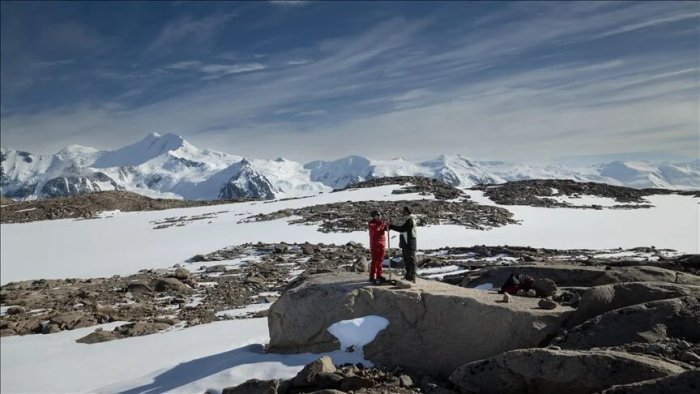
546, 371
684, 382
454, 324
582, 276
600, 299
649, 322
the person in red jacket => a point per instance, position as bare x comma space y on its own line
377, 246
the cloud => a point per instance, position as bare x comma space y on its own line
290, 3
504, 91
213, 71
55, 63
187, 29
645, 24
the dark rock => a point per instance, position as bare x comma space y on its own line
647, 323
98, 337
139, 288
684, 382
353, 383
327, 380
545, 287
169, 284
254, 386
16, 310
547, 303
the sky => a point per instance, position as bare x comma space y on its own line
523, 81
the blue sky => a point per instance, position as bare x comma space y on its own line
533, 82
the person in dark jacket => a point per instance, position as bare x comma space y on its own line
377, 246
407, 242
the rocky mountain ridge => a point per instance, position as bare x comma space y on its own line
167, 166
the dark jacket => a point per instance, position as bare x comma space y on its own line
407, 240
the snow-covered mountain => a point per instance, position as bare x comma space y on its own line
168, 166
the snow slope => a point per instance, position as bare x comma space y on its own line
127, 242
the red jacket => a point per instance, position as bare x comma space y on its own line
377, 238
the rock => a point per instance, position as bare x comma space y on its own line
140, 328
684, 382
197, 258
569, 275
29, 326
98, 337
429, 318
405, 381
280, 248
169, 284
690, 357
547, 303
138, 287
67, 320
353, 383
254, 386
16, 310
250, 279
51, 329
6, 332
650, 322
403, 284
181, 273
506, 298
327, 380
545, 287
546, 371
216, 268
360, 265
307, 249
600, 299
307, 375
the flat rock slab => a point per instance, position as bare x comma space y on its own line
583, 276
547, 371
600, 299
648, 322
684, 382
433, 327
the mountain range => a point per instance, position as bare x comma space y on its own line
167, 166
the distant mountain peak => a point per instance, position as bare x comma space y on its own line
152, 146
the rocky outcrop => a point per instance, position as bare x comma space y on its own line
546, 371
322, 377
89, 205
582, 276
461, 325
352, 216
684, 382
600, 299
246, 183
649, 322
73, 185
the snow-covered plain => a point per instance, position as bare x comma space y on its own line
126, 241
225, 353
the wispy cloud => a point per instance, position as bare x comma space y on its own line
290, 3
213, 71
528, 84
55, 63
188, 29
